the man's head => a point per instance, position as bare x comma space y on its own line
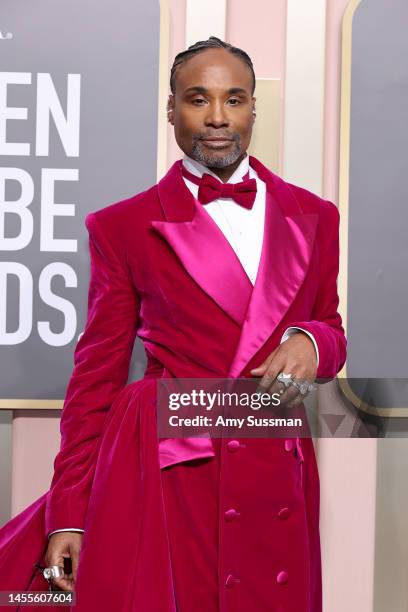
211, 104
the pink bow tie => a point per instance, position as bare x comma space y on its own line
210, 189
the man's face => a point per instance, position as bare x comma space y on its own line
212, 109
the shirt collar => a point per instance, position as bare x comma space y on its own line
199, 169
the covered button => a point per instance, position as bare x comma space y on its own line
288, 445
231, 514
282, 577
231, 580
284, 513
233, 446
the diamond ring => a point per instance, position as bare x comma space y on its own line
304, 386
286, 379
54, 571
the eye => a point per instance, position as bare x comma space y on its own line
197, 101
235, 101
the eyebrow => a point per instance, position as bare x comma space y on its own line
203, 90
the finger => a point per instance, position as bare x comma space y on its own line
56, 557
289, 395
285, 368
270, 375
261, 369
278, 388
75, 562
65, 584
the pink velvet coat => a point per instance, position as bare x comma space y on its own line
162, 270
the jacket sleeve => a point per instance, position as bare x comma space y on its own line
325, 323
101, 367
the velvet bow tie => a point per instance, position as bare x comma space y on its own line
210, 189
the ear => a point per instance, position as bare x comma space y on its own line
253, 109
170, 109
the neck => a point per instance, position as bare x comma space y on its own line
225, 173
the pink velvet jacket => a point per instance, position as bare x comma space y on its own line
161, 269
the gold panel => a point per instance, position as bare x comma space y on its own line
266, 133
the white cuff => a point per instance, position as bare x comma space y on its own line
67, 529
293, 330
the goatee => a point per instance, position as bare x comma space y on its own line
211, 160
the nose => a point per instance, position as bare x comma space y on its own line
216, 115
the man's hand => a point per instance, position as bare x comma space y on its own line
64, 544
295, 356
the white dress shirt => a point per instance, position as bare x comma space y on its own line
242, 227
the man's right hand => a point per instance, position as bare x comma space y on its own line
63, 545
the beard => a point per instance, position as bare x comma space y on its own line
215, 159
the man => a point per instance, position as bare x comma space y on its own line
222, 270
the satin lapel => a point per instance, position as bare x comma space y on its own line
201, 246
289, 237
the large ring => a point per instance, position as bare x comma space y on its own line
54, 571
286, 379
304, 386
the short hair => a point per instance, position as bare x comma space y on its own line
202, 45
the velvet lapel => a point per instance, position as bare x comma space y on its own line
201, 246
289, 236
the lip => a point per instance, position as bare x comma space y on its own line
217, 143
